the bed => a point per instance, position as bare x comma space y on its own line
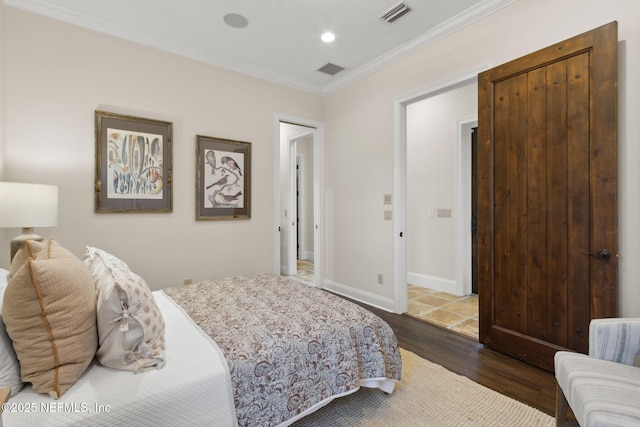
250, 351
191, 389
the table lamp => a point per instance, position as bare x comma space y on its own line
27, 206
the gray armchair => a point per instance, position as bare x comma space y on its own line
603, 388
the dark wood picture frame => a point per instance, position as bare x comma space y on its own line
133, 164
223, 179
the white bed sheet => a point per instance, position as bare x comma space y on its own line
193, 388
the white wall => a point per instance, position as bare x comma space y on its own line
57, 74
432, 146
3, 233
2, 127
359, 132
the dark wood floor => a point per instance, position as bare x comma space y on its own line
518, 380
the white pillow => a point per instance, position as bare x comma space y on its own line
100, 263
9, 365
4, 278
130, 324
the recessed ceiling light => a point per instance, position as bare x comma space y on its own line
235, 20
328, 37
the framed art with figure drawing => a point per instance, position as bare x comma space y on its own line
223, 179
133, 164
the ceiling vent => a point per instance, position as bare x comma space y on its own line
331, 69
396, 12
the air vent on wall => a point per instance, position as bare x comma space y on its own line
331, 69
396, 12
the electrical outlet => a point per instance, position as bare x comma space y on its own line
187, 281
387, 199
380, 279
387, 215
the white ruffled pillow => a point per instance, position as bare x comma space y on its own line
9, 365
130, 324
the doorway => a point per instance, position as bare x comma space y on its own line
301, 245
439, 209
457, 280
298, 186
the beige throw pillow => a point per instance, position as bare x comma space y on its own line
24, 253
130, 324
50, 314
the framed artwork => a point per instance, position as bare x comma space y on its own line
223, 179
133, 164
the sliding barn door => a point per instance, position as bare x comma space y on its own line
547, 186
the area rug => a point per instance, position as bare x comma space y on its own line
428, 395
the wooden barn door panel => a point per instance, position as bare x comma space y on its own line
547, 187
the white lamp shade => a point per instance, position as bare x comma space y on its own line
28, 205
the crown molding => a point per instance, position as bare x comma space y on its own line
44, 8
471, 15
450, 26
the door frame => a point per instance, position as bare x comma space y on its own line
400, 183
317, 129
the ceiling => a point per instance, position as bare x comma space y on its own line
281, 42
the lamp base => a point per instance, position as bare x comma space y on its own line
18, 242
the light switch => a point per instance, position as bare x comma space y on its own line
444, 213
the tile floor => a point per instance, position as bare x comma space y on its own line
458, 314
305, 271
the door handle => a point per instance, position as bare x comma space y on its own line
602, 254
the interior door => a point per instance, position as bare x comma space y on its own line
547, 188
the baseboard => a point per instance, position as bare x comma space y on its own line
432, 282
359, 295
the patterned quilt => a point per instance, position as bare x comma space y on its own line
289, 346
